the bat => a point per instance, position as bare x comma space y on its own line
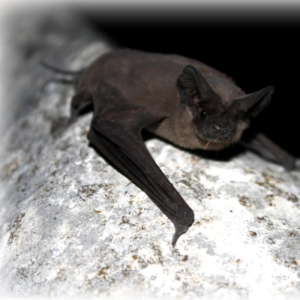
179, 99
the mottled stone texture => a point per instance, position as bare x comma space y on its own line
30, 31
73, 226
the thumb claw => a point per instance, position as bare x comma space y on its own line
179, 230
182, 225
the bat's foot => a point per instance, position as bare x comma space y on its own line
59, 126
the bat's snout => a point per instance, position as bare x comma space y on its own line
216, 133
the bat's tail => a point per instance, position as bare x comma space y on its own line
58, 70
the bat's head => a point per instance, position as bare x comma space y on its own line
220, 110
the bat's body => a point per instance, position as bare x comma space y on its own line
177, 98
149, 80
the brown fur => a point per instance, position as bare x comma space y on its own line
148, 79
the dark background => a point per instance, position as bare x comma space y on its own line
256, 51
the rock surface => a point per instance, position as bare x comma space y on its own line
31, 31
73, 226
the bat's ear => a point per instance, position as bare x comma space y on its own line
190, 83
252, 104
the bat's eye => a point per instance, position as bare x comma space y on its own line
203, 113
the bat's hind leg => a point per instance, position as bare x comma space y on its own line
269, 150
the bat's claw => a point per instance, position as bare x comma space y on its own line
182, 225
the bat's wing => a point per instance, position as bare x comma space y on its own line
268, 149
116, 133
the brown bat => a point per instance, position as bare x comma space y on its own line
177, 98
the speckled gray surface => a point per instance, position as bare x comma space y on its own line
73, 226
31, 31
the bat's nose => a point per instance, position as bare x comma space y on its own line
221, 133
220, 130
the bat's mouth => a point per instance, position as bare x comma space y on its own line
215, 133
214, 144
222, 137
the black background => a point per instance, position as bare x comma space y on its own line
255, 53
